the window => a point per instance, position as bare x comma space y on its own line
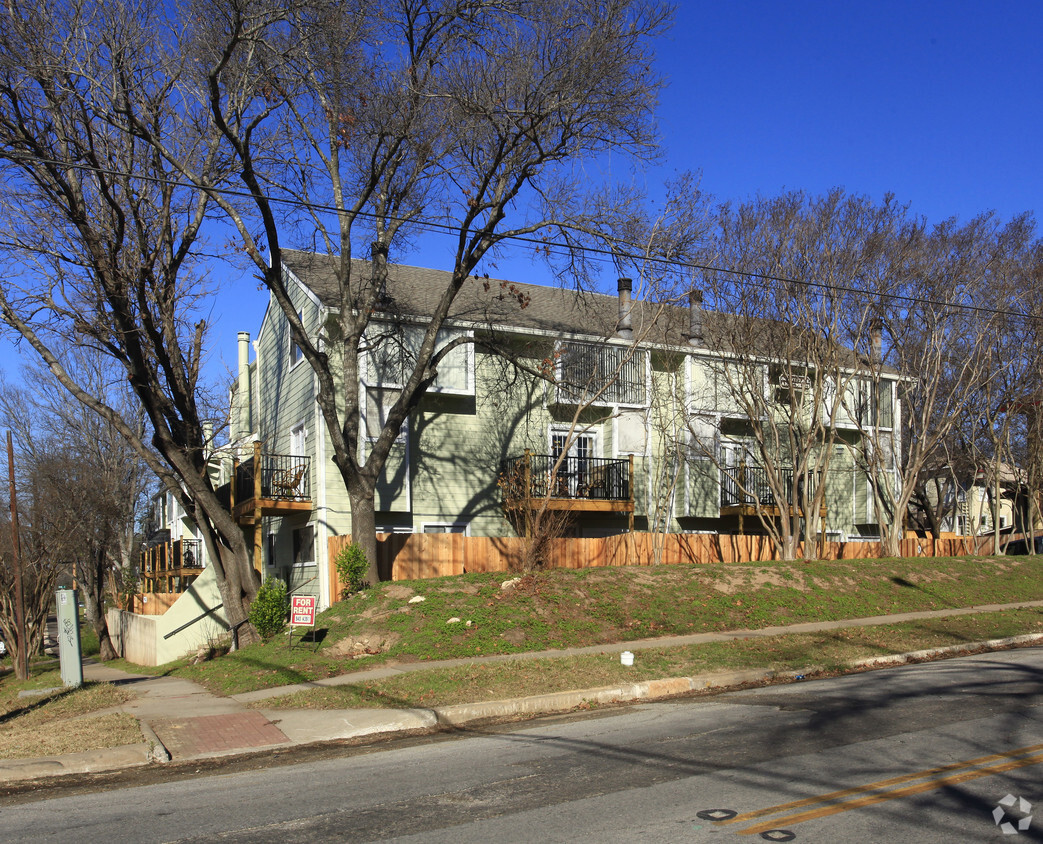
702, 436
391, 355
296, 355
601, 374
576, 471
631, 433
876, 405
271, 550
445, 527
378, 403
304, 546
299, 441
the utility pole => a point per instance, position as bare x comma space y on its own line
22, 669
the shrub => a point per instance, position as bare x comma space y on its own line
269, 610
352, 567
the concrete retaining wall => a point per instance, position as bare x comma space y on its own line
157, 639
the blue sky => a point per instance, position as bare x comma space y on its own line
938, 103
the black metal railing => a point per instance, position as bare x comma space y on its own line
190, 552
541, 475
284, 477
747, 484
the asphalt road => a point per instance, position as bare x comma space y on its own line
920, 753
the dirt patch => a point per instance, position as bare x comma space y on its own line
731, 581
928, 577
397, 592
352, 647
457, 588
516, 636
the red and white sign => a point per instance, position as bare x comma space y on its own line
302, 610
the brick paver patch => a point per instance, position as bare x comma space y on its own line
185, 737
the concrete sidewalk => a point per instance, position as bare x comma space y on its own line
181, 720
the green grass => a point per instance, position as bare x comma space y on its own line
563, 608
823, 652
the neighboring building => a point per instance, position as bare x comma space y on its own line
172, 554
659, 446
971, 509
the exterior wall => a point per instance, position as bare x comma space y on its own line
143, 639
445, 469
286, 414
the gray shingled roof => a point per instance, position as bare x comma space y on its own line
414, 291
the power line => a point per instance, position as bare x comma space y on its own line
539, 243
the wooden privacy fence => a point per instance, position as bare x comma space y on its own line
152, 603
411, 556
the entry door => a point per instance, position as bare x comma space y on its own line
738, 465
574, 473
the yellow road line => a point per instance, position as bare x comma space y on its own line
873, 786
873, 799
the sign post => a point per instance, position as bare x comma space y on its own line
302, 614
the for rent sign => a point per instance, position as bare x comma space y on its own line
302, 611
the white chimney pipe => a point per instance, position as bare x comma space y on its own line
245, 422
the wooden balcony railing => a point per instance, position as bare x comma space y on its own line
592, 484
171, 566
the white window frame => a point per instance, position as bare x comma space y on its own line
270, 543
364, 402
564, 430
314, 541
368, 375
569, 394
296, 353
465, 525
299, 440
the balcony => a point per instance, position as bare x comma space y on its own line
171, 566
573, 483
745, 490
268, 485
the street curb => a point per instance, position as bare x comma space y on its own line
555, 702
933, 653
157, 750
152, 750
87, 762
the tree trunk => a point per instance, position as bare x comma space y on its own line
106, 650
93, 605
236, 580
364, 527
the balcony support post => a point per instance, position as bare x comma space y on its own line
258, 472
527, 492
630, 489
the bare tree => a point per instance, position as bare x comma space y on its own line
772, 400
935, 336
47, 541
361, 124
106, 482
103, 247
